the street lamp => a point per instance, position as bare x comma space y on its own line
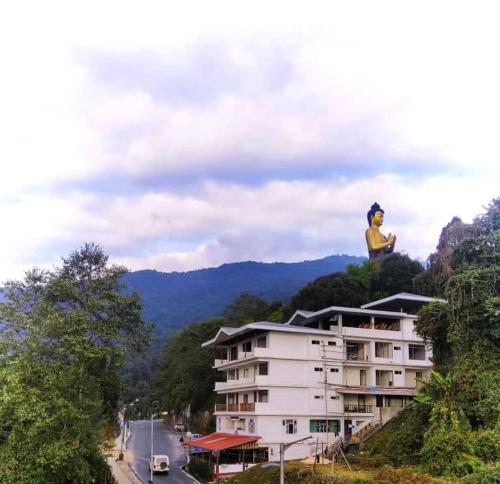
123, 410
281, 465
153, 415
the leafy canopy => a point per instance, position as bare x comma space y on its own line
64, 336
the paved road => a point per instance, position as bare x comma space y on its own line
165, 442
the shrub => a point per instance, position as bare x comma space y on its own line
485, 475
487, 445
201, 469
449, 452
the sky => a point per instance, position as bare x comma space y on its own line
182, 135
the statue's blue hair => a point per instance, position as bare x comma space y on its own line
371, 212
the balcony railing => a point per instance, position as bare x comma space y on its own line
358, 408
235, 407
356, 357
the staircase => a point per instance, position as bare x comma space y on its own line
363, 432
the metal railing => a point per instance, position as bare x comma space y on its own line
358, 408
356, 356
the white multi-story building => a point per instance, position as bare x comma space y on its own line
338, 370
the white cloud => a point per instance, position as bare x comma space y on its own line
278, 221
381, 87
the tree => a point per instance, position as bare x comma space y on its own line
337, 289
396, 274
246, 308
65, 334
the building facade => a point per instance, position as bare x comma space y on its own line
340, 371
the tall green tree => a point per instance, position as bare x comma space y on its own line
64, 337
338, 289
396, 274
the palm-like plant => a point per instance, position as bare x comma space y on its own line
439, 394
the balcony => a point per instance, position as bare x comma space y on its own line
356, 356
372, 333
257, 352
358, 408
235, 407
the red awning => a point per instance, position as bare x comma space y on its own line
220, 441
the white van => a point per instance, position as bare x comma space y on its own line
160, 463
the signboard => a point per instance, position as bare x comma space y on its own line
197, 450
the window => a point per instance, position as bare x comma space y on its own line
261, 396
398, 372
416, 352
334, 397
320, 426
332, 343
362, 378
219, 424
262, 342
397, 348
290, 426
318, 397
251, 426
245, 372
419, 375
315, 341
233, 374
383, 350
233, 353
334, 370
318, 368
247, 347
263, 368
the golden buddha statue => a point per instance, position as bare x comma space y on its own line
378, 244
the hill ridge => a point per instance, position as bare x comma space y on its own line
172, 300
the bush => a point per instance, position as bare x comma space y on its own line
449, 452
201, 469
487, 445
486, 475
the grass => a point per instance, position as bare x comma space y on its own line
299, 473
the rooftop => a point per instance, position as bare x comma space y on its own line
226, 333
402, 302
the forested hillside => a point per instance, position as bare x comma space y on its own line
454, 428
172, 300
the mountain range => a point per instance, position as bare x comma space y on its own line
173, 300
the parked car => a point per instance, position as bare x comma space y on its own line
179, 427
160, 463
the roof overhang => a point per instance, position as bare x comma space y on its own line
221, 441
374, 390
403, 298
313, 316
225, 333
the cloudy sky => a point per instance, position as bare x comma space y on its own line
182, 135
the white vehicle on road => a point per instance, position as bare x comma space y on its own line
160, 463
